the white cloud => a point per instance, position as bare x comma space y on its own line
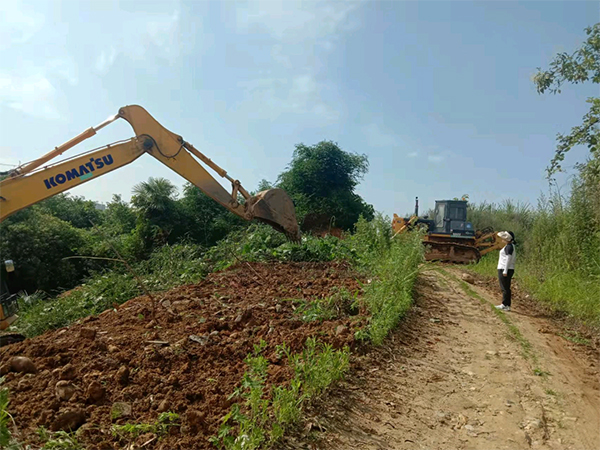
33, 82
436, 159
296, 21
105, 59
298, 31
18, 24
376, 137
298, 95
413, 154
34, 95
157, 34
29, 85
164, 32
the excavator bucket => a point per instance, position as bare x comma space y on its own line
275, 208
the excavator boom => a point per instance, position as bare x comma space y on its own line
35, 181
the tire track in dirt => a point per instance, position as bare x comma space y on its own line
453, 378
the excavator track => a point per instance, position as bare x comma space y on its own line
12, 338
453, 252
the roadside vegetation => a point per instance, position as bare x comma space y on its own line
559, 251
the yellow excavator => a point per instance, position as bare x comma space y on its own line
449, 236
40, 179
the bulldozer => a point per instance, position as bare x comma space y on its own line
39, 179
449, 236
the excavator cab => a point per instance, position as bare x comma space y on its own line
9, 306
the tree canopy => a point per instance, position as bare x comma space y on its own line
581, 66
321, 179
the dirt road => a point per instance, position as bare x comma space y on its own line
455, 377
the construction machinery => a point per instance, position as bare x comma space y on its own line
9, 307
40, 179
449, 236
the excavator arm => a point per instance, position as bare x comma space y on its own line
34, 182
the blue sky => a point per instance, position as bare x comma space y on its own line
437, 94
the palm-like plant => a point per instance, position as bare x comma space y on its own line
154, 197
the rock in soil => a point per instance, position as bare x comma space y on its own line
65, 390
468, 278
69, 420
120, 410
22, 364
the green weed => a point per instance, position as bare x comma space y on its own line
540, 373
576, 338
262, 419
5, 435
161, 427
339, 303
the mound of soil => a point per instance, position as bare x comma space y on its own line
124, 367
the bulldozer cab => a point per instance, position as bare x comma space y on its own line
450, 217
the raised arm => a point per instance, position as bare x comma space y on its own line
30, 184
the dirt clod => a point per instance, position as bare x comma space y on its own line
340, 329
88, 333
69, 372
95, 392
22, 364
122, 376
195, 420
69, 420
163, 406
197, 372
64, 390
24, 383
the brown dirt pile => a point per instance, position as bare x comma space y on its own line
145, 367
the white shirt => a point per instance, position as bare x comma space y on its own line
506, 258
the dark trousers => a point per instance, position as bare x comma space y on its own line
505, 285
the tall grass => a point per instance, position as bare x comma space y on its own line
393, 265
558, 256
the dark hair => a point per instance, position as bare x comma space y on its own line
513, 237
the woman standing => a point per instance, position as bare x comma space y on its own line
506, 267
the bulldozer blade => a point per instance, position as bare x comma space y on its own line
275, 207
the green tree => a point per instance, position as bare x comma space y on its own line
38, 242
321, 179
207, 221
78, 211
579, 67
119, 217
158, 214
